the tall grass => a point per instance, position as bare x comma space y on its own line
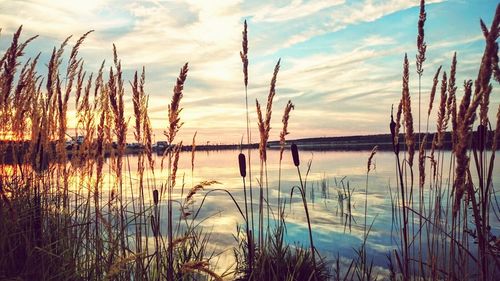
78, 213
449, 219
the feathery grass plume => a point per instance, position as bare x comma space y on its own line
421, 161
148, 144
454, 125
488, 64
408, 118
262, 130
138, 103
198, 187
370, 158
286, 116
420, 58
193, 151
175, 163
9, 64
265, 125
398, 122
392, 127
174, 107
441, 125
79, 83
200, 266
244, 53
73, 64
495, 60
421, 45
432, 158
451, 106
433, 90
496, 135
462, 160
465, 102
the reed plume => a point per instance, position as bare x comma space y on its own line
421, 45
441, 125
174, 107
433, 92
244, 53
408, 118
286, 116
265, 125
200, 266
175, 164
420, 57
451, 105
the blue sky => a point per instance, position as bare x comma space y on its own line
341, 60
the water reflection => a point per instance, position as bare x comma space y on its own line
335, 190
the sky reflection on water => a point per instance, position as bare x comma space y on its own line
331, 233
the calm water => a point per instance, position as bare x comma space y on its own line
332, 233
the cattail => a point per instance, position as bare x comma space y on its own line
295, 155
286, 116
433, 90
421, 46
244, 53
242, 164
408, 118
174, 109
155, 197
481, 137
370, 159
441, 125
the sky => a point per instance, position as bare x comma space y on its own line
341, 61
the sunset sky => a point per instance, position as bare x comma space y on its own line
341, 60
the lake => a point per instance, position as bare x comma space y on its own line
331, 173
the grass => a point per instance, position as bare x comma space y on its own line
82, 214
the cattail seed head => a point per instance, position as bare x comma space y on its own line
242, 163
481, 137
295, 155
155, 196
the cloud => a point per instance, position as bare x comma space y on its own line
341, 60
291, 11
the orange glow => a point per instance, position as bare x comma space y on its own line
9, 136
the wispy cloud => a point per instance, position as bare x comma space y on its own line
341, 60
